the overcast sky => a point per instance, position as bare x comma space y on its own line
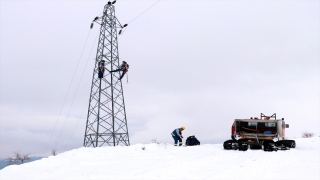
200, 64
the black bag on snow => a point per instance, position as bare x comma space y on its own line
192, 141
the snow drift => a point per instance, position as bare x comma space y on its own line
161, 161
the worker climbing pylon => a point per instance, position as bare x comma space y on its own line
101, 69
177, 135
124, 68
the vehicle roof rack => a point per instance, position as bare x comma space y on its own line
268, 117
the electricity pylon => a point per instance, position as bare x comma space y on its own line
106, 119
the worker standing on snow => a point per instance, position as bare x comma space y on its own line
177, 135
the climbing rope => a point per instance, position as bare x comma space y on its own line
127, 78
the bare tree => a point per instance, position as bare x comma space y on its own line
159, 142
307, 134
54, 152
11, 160
18, 158
21, 158
155, 141
24, 158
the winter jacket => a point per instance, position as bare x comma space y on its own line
123, 66
101, 66
177, 132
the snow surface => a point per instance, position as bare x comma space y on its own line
160, 161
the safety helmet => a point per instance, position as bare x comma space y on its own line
182, 127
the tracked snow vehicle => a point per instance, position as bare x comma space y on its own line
267, 133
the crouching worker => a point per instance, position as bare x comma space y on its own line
177, 135
124, 68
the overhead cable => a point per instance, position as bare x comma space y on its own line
67, 92
78, 87
74, 96
144, 11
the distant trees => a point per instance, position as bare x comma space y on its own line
307, 134
158, 142
155, 141
18, 158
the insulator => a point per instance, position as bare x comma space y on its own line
91, 26
114, 2
120, 31
125, 25
96, 18
109, 2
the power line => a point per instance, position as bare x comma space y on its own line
74, 95
79, 83
67, 93
143, 12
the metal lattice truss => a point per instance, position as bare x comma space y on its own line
106, 120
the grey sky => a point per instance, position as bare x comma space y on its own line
200, 64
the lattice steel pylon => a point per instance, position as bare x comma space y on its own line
106, 119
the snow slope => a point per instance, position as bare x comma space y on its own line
4, 162
208, 161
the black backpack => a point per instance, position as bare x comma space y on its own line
192, 141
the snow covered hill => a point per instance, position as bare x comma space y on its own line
161, 161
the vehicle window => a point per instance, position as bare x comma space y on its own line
252, 123
270, 124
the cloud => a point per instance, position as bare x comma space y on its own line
195, 64
35, 134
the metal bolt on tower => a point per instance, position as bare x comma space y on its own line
106, 120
